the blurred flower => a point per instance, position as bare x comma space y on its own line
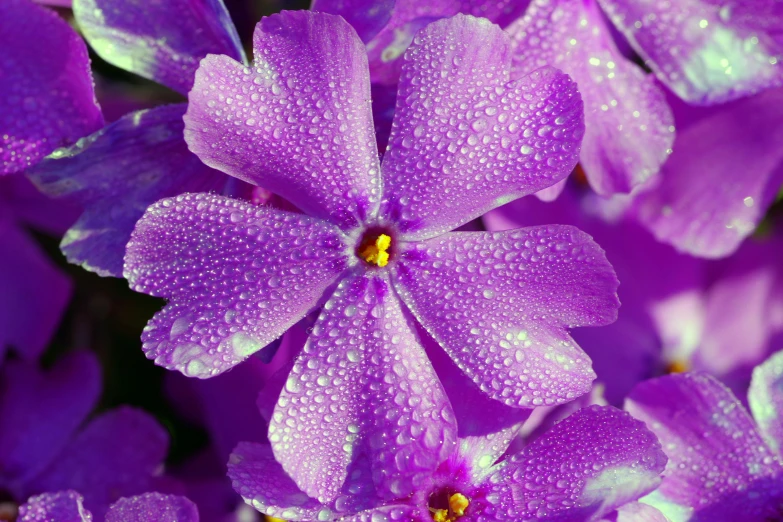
298, 123
46, 93
720, 467
66, 506
723, 175
117, 172
46, 445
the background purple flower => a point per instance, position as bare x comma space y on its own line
67, 506
719, 465
48, 446
117, 172
46, 92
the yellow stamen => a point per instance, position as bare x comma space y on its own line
377, 253
440, 515
273, 519
458, 503
677, 366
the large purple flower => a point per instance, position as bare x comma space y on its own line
67, 506
117, 172
587, 465
47, 446
373, 244
722, 466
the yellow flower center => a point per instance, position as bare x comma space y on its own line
377, 253
458, 503
677, 366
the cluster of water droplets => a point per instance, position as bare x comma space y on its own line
500, 303
237, 276
574, 465
713, 446
700, 49
298, 123
464, 138
362, 384
623, 106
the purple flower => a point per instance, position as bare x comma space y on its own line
372, 246
117, 172
722, 466
66, 506
584, 467
46, 93
49, 447
724, 173
34, 292
628, 125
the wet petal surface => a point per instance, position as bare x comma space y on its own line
464, 139
46, 93
623, 105
153, 506
500, 305
718, 464
237, 276
702, 49
585, 466
363, 383
297, 122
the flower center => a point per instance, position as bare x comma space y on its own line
375, 248
448, 508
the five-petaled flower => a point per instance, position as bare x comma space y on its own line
467, 137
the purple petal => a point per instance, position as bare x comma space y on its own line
298, 122
766, 400
115, 174
32, 208
153, 507
623, 105
63, 506
240, 421
713, 447
699, 48
46, 93
34, 292
363, 383
485, 426
639, 512
725, 171
115, 455
366, 17
737, 338
237, 277
41, 411
393, 513
386, 49
464, 139
500, 305
587, 465
261, 481
162, 41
